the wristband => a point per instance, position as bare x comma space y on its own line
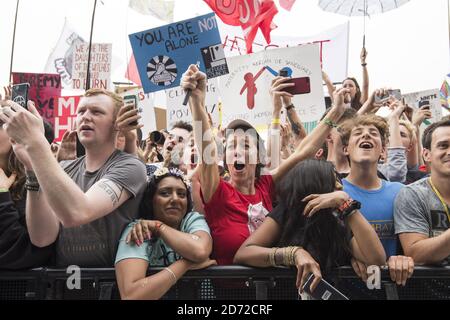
363, 64
276, 121
330, 123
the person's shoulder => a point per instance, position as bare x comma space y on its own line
121, 157
393, 185
192, 218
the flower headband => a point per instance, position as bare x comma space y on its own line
163, 171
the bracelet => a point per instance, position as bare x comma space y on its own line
32, 187
276, 121
363, 64
172, 275
330, 123
4, 190
272, 257
289, 107
158, 229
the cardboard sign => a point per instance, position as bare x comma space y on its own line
65, 115
333, 44
176, 111
100, 67
43, 90
430, 97
163, 54
245, 91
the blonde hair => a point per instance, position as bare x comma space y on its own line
118, 100
365, 120
409, 127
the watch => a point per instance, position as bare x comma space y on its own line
348, 207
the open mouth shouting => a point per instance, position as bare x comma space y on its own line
239, 167
366, 145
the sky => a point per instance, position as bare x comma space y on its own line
408, 48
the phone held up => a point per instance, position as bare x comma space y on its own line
301, 85
131, 100
20, 94
323, 291
396, 93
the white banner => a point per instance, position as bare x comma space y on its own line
146, 110
333, 44
427, 97
245, 90
60, 60
100, 67
176, 111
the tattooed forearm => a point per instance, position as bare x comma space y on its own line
113, 190
295, 125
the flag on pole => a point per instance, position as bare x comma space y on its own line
60, 59
251, 15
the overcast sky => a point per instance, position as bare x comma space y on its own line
408, 47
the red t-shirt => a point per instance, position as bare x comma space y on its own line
233, 216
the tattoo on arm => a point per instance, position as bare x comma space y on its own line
109, 188
295, 125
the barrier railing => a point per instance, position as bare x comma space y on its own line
220, 282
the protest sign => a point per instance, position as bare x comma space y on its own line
100, 67
427, 97
65, 115
245, 91
43, 90
333, 44
163, 54
176, 111
60, 59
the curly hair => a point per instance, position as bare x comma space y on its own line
146, 207
364, 120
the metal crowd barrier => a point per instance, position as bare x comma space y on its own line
221, 283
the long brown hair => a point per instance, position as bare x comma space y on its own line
356, 101
14, 165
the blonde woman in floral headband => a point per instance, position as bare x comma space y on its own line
173, 237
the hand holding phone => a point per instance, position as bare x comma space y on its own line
323, 291
131, 100
301, 85
20, 94
387, 94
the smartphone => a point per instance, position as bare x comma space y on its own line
283, 73
19, 94
131, 100
396, 93
323, 291
424, 104
302, 85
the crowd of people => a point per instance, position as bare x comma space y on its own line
357, 190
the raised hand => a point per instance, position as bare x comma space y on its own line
277, 93
194, 80
68, 148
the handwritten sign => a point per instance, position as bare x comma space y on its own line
100, 67
176, 111
245, 91
163, 54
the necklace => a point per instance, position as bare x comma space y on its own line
440, 198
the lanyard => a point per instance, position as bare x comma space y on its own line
440, 198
